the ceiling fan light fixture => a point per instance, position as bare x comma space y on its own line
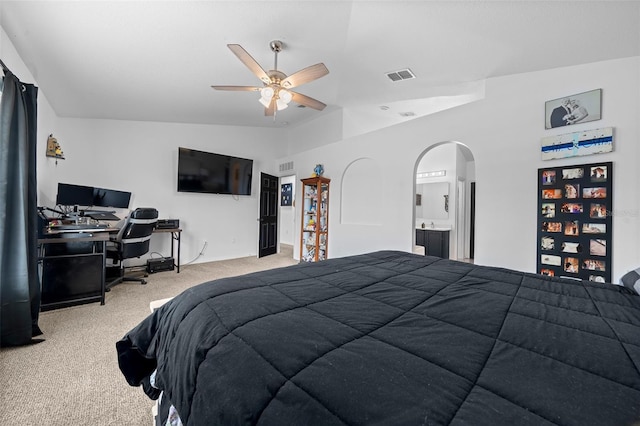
275, 94
280, 105
266, 94
284, 97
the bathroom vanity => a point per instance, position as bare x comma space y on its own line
434, 240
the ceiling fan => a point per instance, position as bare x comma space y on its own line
275, 94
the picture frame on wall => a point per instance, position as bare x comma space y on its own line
548, 210
575, 221
576, 173
548, 177
286, 194
598, 173
577, 144
573, 109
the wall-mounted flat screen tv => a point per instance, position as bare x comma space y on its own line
200, 171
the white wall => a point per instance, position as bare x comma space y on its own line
46, 116
142, 157
503, 132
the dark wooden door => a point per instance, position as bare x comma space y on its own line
268, 243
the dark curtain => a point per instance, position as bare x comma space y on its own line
19, 283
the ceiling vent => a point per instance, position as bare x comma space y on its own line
405, 74
286, 166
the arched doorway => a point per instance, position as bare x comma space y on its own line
443, 192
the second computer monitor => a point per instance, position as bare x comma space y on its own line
111, 198
89, 196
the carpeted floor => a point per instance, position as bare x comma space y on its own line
72, 377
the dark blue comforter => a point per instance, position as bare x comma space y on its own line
391, 338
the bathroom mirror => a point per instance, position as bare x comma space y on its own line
432, 201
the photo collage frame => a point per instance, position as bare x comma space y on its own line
575, 221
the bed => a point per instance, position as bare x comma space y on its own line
392, 338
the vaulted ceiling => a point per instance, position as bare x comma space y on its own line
157, 60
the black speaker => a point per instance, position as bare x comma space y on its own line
160, 264
168, 224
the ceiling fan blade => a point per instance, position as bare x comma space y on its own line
238, 88
305, 75
301, 99
250, 63
271, 110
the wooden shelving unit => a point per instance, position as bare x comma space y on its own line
314, 234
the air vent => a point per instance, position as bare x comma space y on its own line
405, 74
408, 114
286, 166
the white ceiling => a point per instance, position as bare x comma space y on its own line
156, 60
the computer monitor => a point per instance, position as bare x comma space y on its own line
111, 198
74, 195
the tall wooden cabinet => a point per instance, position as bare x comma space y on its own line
314, 235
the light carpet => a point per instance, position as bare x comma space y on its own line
72, 378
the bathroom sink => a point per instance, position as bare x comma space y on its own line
436, 228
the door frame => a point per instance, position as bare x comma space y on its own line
268, 215
460, 218
472, 220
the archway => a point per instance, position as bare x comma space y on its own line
443, 190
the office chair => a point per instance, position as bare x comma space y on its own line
132, 241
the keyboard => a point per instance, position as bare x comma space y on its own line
78, 227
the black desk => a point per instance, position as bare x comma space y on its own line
72, 267
175, 237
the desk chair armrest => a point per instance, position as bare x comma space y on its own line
135, 240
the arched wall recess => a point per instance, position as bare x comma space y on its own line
359, 202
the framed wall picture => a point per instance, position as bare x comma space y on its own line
286, 194
575, 221
576, 144
573, 109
